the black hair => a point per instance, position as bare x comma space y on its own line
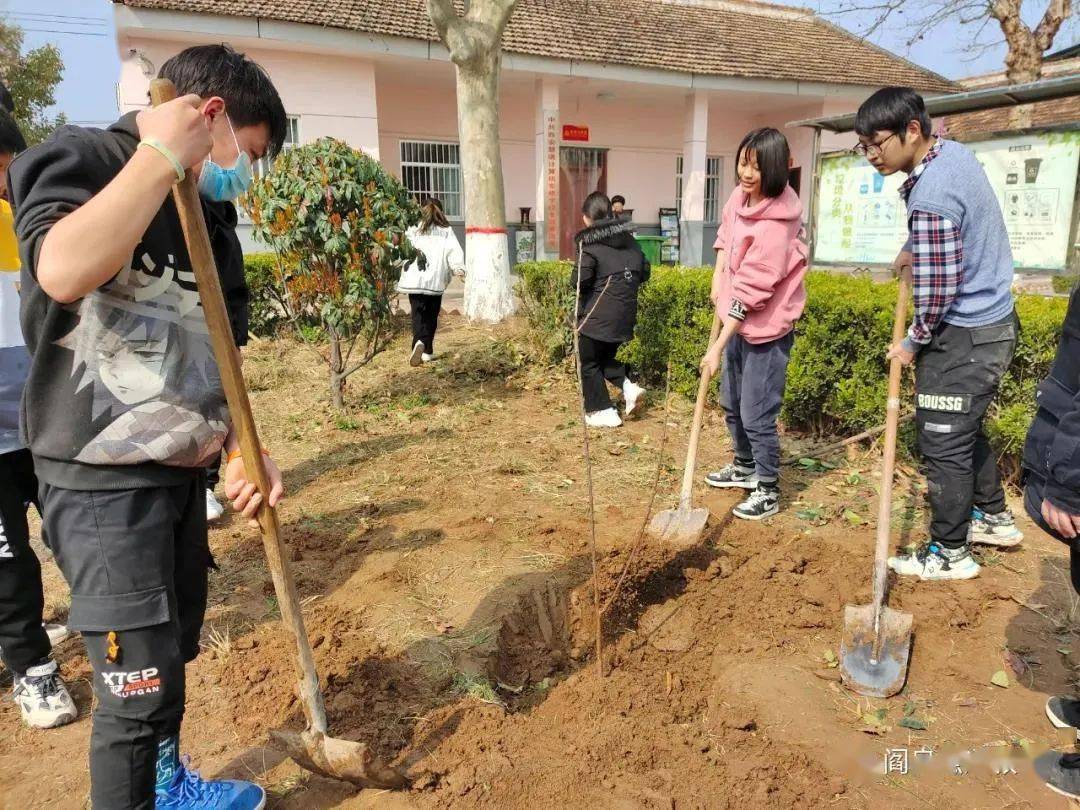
249, 95
597, 206
891, 109
618, 198
11, 139
431, 213
6, 101
773, 154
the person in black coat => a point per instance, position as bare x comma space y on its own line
611, 269
1052, 499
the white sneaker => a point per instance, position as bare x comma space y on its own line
417, 356
43, 698
759, 504
934, 562
608, 417
631, 393
994, 530
57, 633
427, 358
214, 510
733, 475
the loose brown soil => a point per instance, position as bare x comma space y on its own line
439, 535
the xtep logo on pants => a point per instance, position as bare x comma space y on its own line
133, 684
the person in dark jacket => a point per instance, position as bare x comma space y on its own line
1052, 499
611, 269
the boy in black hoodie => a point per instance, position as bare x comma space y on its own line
611, 269
1052, 500
124, 408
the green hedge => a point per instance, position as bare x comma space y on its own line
837, 376
265, 315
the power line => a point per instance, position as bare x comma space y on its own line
72, 33
52, 17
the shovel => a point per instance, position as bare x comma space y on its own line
876, 647
313, 748
684, 524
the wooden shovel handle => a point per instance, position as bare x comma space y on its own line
189, 207
892, 422
695, 428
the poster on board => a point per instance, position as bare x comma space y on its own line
862, 220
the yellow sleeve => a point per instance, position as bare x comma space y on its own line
9, 245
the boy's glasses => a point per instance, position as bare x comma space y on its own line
871, 149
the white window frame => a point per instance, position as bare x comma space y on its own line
434, 159
262, 165
714, 183
292, 140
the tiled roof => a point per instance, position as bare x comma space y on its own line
1043, 114
735, 38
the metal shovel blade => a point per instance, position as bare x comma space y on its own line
682, 527
337, 759
880, 674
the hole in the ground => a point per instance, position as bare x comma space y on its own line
549, 632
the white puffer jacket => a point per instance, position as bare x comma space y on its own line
444, 257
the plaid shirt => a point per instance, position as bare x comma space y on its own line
937, 261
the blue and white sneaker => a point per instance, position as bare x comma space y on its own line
994, 530
189, 791
935, 562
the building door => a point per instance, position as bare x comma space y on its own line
582, 171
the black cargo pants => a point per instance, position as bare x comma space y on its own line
136, 561
956, 378
23, 642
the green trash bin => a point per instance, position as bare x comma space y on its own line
650, 246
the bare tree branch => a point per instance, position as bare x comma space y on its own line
1025, 48
1051, 23
494, 13
443, 16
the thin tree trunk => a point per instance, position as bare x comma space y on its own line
337, 367
488, 292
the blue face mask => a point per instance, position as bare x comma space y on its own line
218, 184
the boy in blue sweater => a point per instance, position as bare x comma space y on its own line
963, 334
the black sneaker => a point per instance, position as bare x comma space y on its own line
1060, 772
733, 475
1063, 712
762, 503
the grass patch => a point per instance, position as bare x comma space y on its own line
1063, 284
347, 423
273, 609
477, 687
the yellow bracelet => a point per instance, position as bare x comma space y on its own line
235, 454
167, 153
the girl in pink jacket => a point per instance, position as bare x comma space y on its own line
758, 290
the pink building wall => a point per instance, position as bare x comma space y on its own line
375, 101
333, 95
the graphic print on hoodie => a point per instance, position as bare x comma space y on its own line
762, 282
142, 345
123, 389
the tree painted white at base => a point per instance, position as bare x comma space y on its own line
489, 291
